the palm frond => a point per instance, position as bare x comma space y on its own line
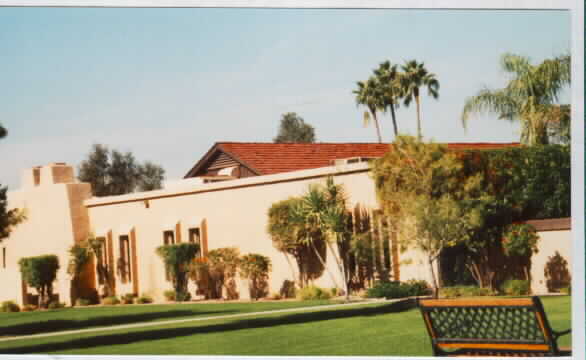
499, 102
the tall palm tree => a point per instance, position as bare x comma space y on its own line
369, 95
388, 77
415, 76
529, 96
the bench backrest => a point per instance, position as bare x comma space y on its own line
512, 325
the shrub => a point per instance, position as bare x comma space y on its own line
255, 268
275, 296
287, 289
40, 272
53, 305
169, 295
127, 298
464, 291
82, 302
177, 259
419, 287
9, 306
516, 287
216, 272
110, 300
28, 307
567, 290
388, 290
314, 293
182, 296
144, 299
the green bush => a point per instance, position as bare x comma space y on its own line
396, 289
110, 300
82, 302
463, 291
256, 268
177, 259
314, 293
287, 289
127, 298
40, 272
28, 307
53, 305
566, 290
169, 295
516, 287
9, 306
182, 296
144, 299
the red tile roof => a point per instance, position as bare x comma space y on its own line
271, 158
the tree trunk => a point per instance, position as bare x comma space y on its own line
291, 266
384, 275
419, 136
341, 269
380, 139
435, 285
324, 264
394, 120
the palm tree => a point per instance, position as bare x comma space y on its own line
388, 77
414, 76
529, 96
369, 95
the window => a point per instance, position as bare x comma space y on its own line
4, 258
194, 237
169, 237
124, 260
102, 265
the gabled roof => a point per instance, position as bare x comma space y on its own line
271, 158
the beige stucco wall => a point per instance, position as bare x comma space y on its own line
235, 216
53, 210
549, 243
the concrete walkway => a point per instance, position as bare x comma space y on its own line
193, 319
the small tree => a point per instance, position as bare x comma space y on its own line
294, 129
79, 257
216, 272
8, 218
520, 240
97, 248
177, 259
255, 268
40, 272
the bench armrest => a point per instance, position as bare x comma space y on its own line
557, 334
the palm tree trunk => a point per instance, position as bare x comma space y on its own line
321, 260
341, 269
418, 119
394, 120
291, 267
380, 139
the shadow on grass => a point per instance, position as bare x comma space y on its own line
160, 334
62, 324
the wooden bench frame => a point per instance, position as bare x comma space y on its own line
468, 313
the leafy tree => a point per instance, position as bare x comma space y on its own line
3, 132
79, 256
177, 258
8, 218
419, 185
117, 173
322, 210
287, 238
369, 94
40, 272
255, 268
415, 76
217, 272
388, 79
529, 97
293, 129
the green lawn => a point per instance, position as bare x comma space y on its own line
378, 329
26, 323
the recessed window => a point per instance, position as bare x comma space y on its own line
169, 237
4, 258
194, 237
102, 260
124, 259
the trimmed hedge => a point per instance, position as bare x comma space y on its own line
396, 289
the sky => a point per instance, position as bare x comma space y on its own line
166, 84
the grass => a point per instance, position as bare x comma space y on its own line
27, 323
378, 329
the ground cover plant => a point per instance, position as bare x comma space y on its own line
15, 324
373, 329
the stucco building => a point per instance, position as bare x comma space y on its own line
222, 201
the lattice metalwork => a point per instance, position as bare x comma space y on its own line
487, 323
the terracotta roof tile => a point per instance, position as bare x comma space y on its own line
271, 158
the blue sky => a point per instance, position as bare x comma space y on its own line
168, 83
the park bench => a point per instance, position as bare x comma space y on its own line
490, 327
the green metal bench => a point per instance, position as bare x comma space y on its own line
490, 327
